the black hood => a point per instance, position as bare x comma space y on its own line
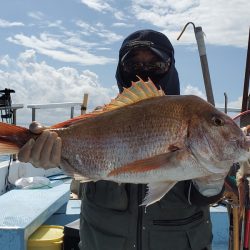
169, 82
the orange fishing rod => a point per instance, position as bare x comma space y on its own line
247, 216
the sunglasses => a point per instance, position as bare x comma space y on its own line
158, 67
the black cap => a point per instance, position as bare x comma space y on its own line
153, 40
134, 45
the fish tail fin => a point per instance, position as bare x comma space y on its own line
12, 138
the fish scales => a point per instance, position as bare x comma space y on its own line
122, 136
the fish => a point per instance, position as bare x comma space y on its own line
144, 137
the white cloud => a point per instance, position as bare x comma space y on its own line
98, 5
109, 36
235, 104
119, 15
104, 48
192, 90
85, 26
59, 49
4, 61
36, 15
120, 24
7, 24
224, 22
43, 22
39, 83
55, 24
99, 29
104, 7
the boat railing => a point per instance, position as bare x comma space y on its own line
71, 105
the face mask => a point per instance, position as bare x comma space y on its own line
152, 70
156, 68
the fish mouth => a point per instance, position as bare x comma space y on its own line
243, 143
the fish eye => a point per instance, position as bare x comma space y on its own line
217, 121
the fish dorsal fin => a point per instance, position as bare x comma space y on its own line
138, 91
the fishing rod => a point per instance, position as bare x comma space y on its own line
231, 198
244, 106
244, 121
246, 236
199, 35
245, 97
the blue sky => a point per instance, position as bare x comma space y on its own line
54, 51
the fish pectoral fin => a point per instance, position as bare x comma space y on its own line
156, 191
145, 165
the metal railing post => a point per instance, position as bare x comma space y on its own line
33, 114
72, 112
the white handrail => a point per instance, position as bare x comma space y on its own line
71, 105
55, 105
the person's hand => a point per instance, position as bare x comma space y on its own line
246, 130
210, 185
45, 151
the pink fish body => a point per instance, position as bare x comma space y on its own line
144, 136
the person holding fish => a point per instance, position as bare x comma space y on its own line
153, 139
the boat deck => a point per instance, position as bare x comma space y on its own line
23, 211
